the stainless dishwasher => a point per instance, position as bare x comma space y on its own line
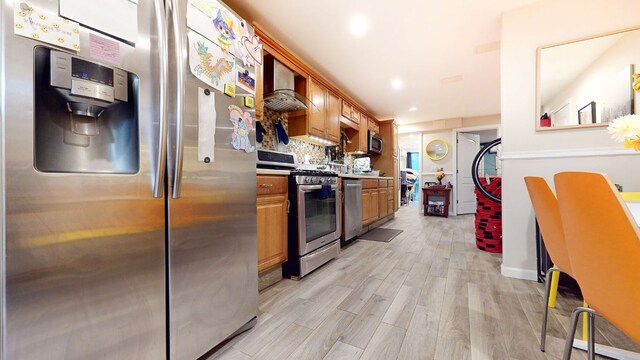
352, 214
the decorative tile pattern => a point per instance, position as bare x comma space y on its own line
298, 147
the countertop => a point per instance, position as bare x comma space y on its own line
272, 172
353, 176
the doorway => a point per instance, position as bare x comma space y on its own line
468, 144
410, 164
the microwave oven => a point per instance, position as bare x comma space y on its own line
374, 145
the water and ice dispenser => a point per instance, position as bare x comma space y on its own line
86, 115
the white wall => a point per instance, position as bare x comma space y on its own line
527, 152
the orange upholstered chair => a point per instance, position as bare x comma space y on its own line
603, 241
545, 205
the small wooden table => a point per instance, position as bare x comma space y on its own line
436, 200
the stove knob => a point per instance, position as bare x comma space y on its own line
323, 180
307, 180
315, 180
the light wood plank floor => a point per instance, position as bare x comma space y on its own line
428, 294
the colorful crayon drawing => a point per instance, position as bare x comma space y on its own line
225, 28
248, 47
242, 126
214, 21
210, 63
213, 71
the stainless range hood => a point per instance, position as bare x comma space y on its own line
279, 94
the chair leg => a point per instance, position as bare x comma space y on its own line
555, 279
547, 292
591, 341
568, 346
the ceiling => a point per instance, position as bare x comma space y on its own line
446, 53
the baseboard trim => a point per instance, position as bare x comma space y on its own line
518, 273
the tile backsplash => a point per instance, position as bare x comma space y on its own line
300, 148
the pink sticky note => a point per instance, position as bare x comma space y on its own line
104, 49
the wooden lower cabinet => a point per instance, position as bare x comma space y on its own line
271, 223
366, 206
375, 205
382, 202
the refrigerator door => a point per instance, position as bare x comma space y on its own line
213, 275
83, 272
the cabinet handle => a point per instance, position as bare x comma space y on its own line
266, 185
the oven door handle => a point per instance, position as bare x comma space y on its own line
307, 188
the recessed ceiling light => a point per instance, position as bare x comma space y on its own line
396, 84
358, 26
413, 108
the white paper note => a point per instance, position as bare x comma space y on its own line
118, 18
43, 26
206, 125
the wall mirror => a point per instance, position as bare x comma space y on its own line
437, 149
588, 82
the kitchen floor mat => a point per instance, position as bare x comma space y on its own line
380, 234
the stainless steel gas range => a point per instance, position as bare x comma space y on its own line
314, 224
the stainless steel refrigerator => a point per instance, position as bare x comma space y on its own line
118, 240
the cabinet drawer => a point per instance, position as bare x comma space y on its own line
369, 184
271, 185
382, 183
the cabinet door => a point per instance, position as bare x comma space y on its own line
366, 206
394, 139
346, 109
375, 212
333, 118
396, 176
259, 92
383, 200
356, 116
317, 94
272, 230
363, 137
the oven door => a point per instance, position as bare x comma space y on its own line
318, 222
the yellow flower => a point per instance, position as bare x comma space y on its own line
632, 144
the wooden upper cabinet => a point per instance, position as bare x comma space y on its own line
259, 103
346, 109
373, 125
333, 118
363, 137
317, 94
356, 116
394, 139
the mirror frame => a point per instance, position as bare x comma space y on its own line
446, 149
538, 87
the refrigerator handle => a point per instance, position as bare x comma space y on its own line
180, 52
161, 25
